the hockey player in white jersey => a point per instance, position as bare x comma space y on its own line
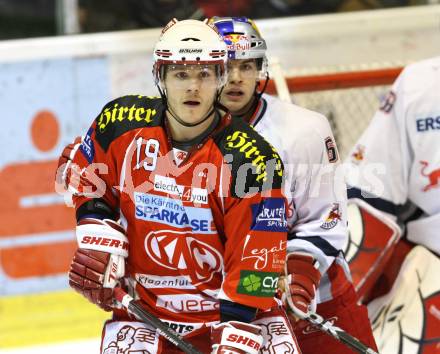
317, 215
394, 170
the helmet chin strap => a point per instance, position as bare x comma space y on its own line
180, 120
266, 81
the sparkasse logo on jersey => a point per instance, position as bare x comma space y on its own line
254, 283
168, 211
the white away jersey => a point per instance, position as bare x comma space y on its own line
398, 157
314, 187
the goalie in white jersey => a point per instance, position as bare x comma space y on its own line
317, 195
394, 171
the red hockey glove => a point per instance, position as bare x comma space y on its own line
65, 173
235, 337
99, 262
300, 283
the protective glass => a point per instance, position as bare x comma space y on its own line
183, 76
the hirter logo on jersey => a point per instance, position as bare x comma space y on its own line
117, 114
247, 146
333, 217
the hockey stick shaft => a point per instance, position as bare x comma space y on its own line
321, 323
140, 313
339, 334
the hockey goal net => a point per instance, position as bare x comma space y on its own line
348, 98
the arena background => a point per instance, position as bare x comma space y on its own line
52, 88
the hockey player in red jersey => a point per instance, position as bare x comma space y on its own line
202, 233
316, 268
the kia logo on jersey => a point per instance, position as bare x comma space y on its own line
176, 251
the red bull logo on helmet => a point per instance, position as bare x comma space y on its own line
237, 42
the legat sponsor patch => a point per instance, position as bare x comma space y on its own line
263, 258
269, 215
87, 148
262, 284
171, 212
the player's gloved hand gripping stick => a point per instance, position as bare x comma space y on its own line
140, 313
324, 325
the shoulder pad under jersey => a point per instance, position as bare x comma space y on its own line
254, 162
127, 113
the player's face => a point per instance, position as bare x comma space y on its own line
239, 90
191, 90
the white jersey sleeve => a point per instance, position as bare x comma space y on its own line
314, 183
395, 165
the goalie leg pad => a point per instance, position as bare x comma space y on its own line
406, 320
373, 237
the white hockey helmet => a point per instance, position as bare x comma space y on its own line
190, 42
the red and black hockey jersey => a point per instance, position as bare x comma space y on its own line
212, 227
